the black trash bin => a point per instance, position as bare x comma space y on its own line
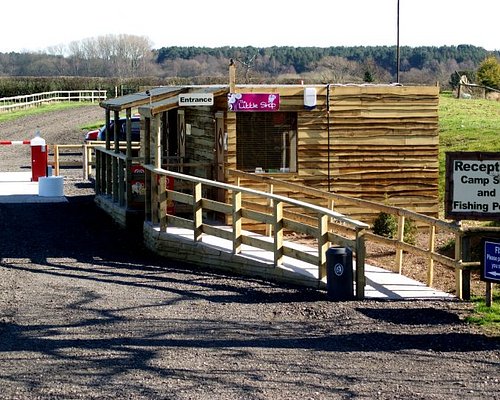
339, 273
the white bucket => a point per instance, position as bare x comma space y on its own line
51, 186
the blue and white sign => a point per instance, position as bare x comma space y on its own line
490, 270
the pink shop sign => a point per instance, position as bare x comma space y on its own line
253, 101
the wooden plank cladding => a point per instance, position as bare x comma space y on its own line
384, 145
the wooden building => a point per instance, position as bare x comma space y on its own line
375, 142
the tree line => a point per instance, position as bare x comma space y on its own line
125, 57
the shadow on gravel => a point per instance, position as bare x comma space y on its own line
413, 316
196, 334
79, 230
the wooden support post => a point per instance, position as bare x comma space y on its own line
430, 262
360, 264
114, 161
400, 238
278, 233
56, 160
146, 149
107, 138
128, 162
322, 245
458, 271
197, 212
236, 222
86, 162
232, 77
489, 294
157, 148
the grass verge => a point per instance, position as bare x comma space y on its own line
487, 317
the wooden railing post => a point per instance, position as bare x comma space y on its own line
322, 245
237, 222
430, 260
121, 182
163, 203
278, 233
197, 212
400, 239
331, 206
360, 264
270, 189
155, 200
466, 256
98, 168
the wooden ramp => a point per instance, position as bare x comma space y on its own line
381, 283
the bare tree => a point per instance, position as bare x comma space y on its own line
113, 55
339, 70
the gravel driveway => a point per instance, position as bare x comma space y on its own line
87, 313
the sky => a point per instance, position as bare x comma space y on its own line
36, 25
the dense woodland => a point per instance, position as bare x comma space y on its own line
128, 59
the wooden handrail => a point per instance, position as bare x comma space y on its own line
275, 197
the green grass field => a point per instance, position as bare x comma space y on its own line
466, 125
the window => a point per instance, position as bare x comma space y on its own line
266, 141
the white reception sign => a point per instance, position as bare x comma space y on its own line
473, 185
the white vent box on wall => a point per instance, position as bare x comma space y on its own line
309, 98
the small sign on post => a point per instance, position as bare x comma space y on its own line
490, 262
472, 185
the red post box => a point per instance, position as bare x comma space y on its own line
38, 157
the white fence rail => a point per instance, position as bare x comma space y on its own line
36, 99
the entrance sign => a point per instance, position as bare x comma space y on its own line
196, 99
253, 101
472, 185
490, 263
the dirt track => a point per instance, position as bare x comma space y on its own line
87, 312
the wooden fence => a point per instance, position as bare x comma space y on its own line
37, 99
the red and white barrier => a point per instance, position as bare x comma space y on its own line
14, 142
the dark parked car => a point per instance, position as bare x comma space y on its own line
100, 134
